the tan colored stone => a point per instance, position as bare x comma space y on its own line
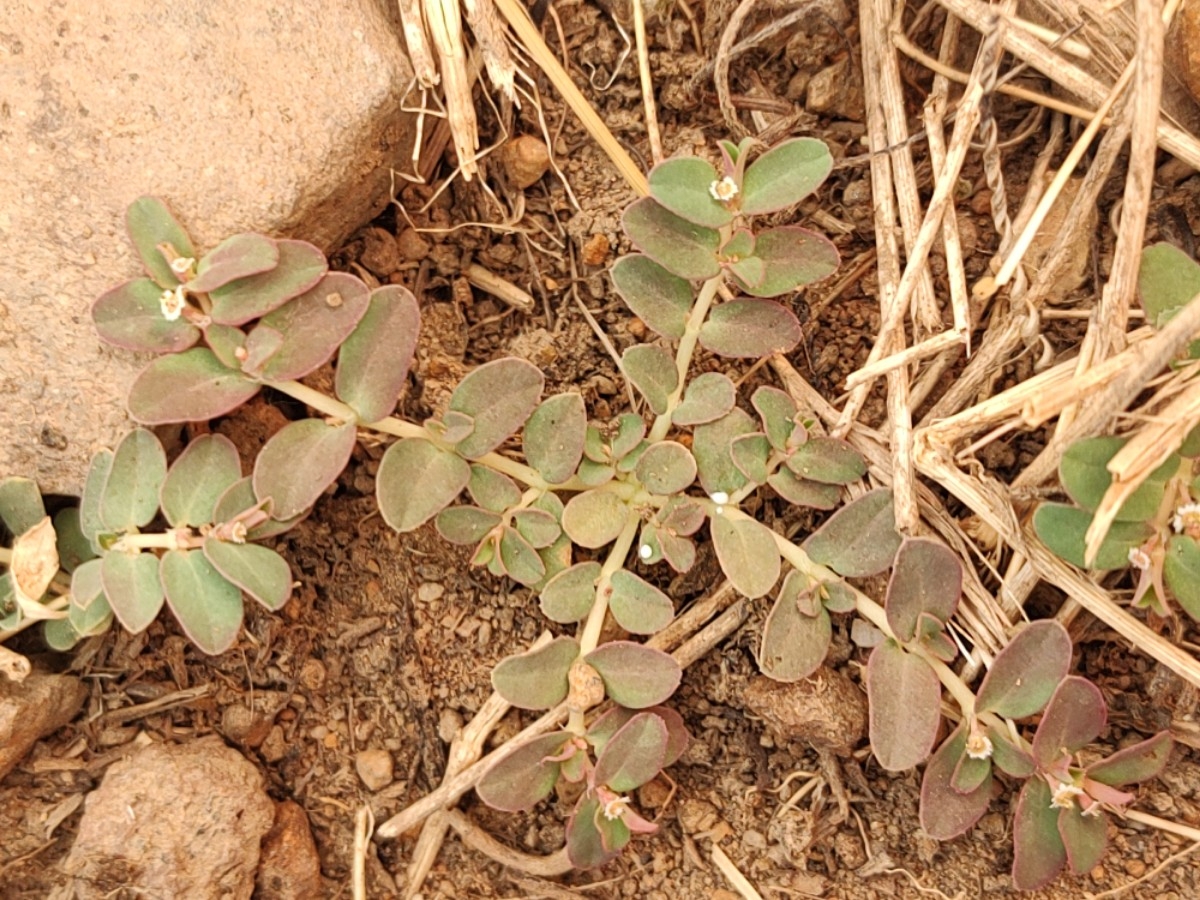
32, 709
290, 867
826, 710
240, 114
375, 767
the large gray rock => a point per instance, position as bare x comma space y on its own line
242, 114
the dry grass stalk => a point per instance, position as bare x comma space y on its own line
648, 104
415, 39
493, 45
444, 22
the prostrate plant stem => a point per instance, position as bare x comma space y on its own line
683, 356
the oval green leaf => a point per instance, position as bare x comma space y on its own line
493, 490
684, 186
314, 325
660, 299
130, 316
827, 460
568, 596
804, 493
790, 258
667, 467
466, 525
681, 247
258, 571
653, 372
633, 755
635, 676
416, 481
192, 386
711, 445
1062, 529
926, 578
859, 539
706, 398
139, 468
207, 467
1167, 281
594, 518
151, 224
299, 462
785, 175
1026, 672
238, 256
1038, 851
747, 553
524, 777
778, 413
520, 560
1085, 477
945, 812
21, 505
1181, 571
373, 362
905, 701
750, 328
1074, 717
554, 436
208, 608
638, 606
499, 396
134, 588
536, 679
300, 267
793, 645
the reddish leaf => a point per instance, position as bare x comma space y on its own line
130, 316
191, 386
299, 462
905, 700
373, 361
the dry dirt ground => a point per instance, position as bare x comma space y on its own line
391, 639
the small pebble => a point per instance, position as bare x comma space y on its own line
375, 768
1135, 868
428, 592
526, 160
312, 674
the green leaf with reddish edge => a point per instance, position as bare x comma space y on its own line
652, 371
739, 245
1008, 757
785, 175
860, 539
537, 526
649, 548
750, 328
945, 812
59, 635
679, 246
536, 679
631, 428
150, 223
684, 186
568, 596
554, 435
679, 552
238, 256
95, 619
1074, 718
207, 606
300, 267
416, 481
931, 634
21, 506
1062, 529
260, 345
749, 453
682, 515
778, 413
73, 547
1168, 279
240, 499
706, 398
465, 525
315, 324
970, 773
838, 597
791, 258
1038, 851
300, 461
499, 396
662, 300
635, 676
1084, 838
519, 558
373, 361
1085, 477
259, 571
227, 343
1025, 673
711, 447
492, 490
601, 731
594, 518
667, 467
634, 754
1181, 571
926, 578
585, 844
747, 553
130, 316
192, 386
525, 777
804, 493
454, 427
750, 272
592, 474
793, 645
133, 588
638, 606
207, 467
90, 522
827, 460
905, 702
1144, 760
555, 558
139, 468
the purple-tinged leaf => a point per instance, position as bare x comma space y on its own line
706, 398
859, 539
568, 596
300, 267
931, 634
238, 256
130, 316
679, 246
634, 754
635, 676
1026, 672
258, 571
299, 462
945, 812
682, 515
499, 396
679, 552
926, 578
1038, 851
554, 435
778, 413
207, 467
454, 427
605, 726
684, 186
150, 226
519, 558
525, 777
1083, 837
652, 371
667, 467
373, 361
750, 328
1008, 757
1074, 718
585, 844
747, 553
793, 644
465, 525
207, 606
750, 453
662, 300
132, 584
827, 460
416, 481
711, 447
240, 499
905, 702
1062, 529
536, 679
804, 493
315, 324
1142, 761
191, 386
493, 490
750, 271
791, 258
594, 518
258, 348
785, 175
227, 343
139, 468
638, 606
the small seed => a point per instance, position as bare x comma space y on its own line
334, 300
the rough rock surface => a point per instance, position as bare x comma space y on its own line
290, 867
31, 709
173, 820
242, 114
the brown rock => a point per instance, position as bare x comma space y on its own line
32, 709
380, 254
241, 117
375, 768
173, 820
290, 867
836, 91
826, 710
413, 247
525, 160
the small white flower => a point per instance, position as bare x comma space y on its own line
645, 551
615, 808
172, 303
979, 746
1064, 795
719, 497
1139, 558
1188, 514
724, 190
182, 264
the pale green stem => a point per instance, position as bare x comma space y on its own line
683, 356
